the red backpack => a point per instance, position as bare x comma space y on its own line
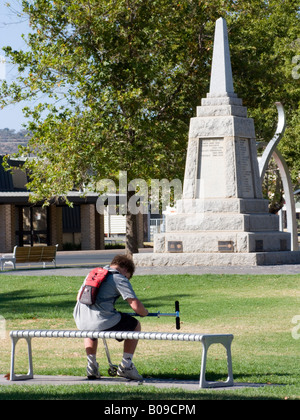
91, 285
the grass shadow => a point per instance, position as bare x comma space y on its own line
26, 303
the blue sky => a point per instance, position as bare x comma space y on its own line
11, 29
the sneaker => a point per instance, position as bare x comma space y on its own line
92, 372
129, 373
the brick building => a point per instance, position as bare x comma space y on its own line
22, 223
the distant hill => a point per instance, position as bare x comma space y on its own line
10, 140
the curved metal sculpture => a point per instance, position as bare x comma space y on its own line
266, 156
271, 150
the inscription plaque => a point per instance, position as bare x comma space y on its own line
225, 246
175, 246
246, 180
212, 170
259, 245
283, 245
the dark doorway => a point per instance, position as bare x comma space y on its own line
32, 226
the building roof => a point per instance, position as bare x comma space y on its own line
13, 188
12, 181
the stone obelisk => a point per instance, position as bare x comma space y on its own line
222, 218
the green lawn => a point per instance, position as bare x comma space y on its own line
258, 310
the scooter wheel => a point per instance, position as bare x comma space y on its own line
112, 371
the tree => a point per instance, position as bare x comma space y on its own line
264, 45
126, 72
123, 78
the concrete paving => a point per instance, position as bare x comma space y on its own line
79, 263
187, 385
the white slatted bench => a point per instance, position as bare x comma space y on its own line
205, 339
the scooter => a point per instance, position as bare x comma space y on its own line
112, 371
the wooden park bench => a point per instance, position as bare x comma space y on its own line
205, 339
30, 254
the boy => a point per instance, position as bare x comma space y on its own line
102, 316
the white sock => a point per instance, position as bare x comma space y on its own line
91, 359
127, 360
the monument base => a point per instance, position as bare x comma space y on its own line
216, 259
214, 242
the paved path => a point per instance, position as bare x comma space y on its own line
83, 271
79, 263
187, 385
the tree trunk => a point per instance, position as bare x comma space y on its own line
131, 229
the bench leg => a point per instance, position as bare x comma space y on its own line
29, 375
8, 261
206, 342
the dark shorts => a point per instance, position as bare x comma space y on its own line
126, 323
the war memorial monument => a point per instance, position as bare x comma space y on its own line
222, 218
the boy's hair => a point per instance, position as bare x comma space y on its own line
123, 261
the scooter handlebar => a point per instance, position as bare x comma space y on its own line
159, 314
